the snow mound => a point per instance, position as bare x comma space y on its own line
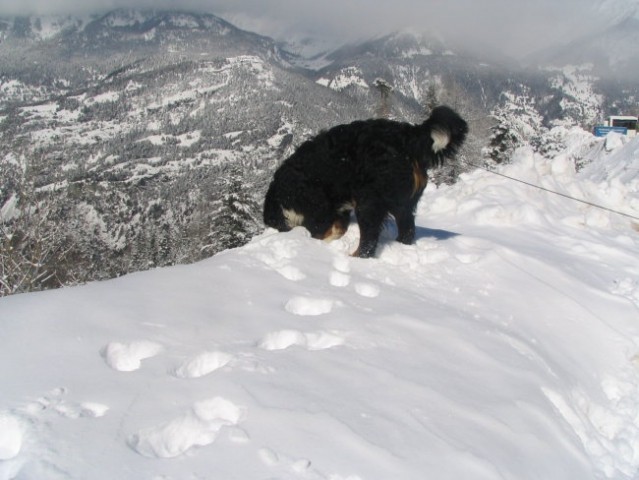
198, 427
313, 341
126, 357
611, 182
203, 364
10, 437
308, 306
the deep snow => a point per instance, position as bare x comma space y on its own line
504, 344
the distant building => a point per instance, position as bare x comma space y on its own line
624, 124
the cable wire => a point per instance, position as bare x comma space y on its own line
555, 192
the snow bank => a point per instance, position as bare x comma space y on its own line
504, 344
611, 180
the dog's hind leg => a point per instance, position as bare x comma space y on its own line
405, 220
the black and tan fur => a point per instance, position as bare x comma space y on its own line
375, 167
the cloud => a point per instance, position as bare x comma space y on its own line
513, 26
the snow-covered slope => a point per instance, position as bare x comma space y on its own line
502, 345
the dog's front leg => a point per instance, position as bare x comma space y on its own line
370, 218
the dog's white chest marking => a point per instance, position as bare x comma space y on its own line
346, 207
293, 219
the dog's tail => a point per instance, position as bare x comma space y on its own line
447, 132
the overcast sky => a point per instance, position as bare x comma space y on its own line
516, 26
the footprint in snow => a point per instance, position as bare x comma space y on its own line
127, 357
268, 457
367, 290
284, 339
339, 279
82, 410
203, 364
342, 264
50, 401
300, 466
291, 273
467, 258
278, 257
279, 250
271, 458
308, 306
198, 427
55, 401
628, 288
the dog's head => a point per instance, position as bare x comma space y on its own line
446, 132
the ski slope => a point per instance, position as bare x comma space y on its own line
504, 344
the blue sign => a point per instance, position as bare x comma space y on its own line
602, 131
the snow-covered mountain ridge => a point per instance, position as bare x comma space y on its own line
126, 21
503, 344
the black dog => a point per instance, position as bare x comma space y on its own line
376, 167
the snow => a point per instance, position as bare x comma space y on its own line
349, 76
233, 135
577, 83
128, 357
185, 140
10, 209
286, 129
11, 440
129, 18
105, 97
203, 364
504, 344
183, 21
255, 65
174, 100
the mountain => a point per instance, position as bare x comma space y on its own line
606, 53
122, 132
610, 52
611, 12
125, 125
413, 63
68, 52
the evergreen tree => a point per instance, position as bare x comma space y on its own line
235, 218
517, 123
453, 94
431, 100
384, 107
504, 138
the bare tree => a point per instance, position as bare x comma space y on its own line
32, 251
